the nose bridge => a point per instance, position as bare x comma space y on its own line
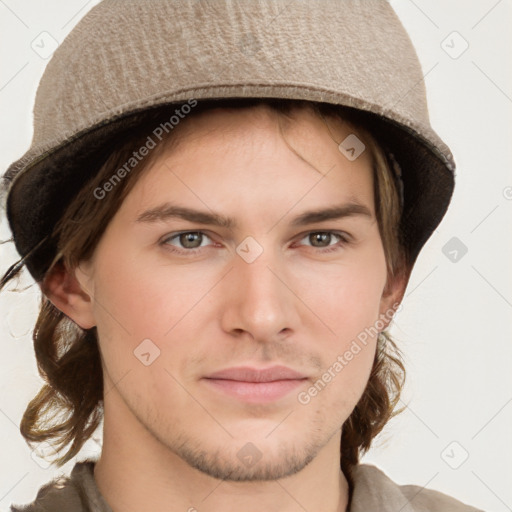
258, 301
259, 278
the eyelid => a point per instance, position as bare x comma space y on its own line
342, 234
344, 240
176, 234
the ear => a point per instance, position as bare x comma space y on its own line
392, 296
66, 293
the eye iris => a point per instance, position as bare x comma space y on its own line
320, 237
190, 240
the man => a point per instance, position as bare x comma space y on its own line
239, 372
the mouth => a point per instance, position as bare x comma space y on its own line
256, 385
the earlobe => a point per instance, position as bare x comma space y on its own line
66, 293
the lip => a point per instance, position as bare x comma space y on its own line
256, 385
249, 374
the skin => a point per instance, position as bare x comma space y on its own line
171, 440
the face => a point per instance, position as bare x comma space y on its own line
215, 267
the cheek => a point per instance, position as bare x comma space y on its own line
345, 297
144, 310
144, 324
348, 353
139, 299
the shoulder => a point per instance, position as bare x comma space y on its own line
58, 494
73, 493
374, 490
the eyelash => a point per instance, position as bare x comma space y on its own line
343, 241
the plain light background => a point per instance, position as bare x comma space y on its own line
455, 327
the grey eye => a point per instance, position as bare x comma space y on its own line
320, 239
191, 240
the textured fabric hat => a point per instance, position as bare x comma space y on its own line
128, 56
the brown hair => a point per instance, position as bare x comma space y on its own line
69, 406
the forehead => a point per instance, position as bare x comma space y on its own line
258, 154
246, 127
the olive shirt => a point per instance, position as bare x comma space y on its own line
373, 492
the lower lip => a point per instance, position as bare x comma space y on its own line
256, 391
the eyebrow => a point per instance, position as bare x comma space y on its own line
169, 211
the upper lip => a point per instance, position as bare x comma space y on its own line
248, 374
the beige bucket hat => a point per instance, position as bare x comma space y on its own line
128, 56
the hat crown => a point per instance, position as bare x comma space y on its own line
126, 54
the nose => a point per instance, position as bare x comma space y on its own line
258, 299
